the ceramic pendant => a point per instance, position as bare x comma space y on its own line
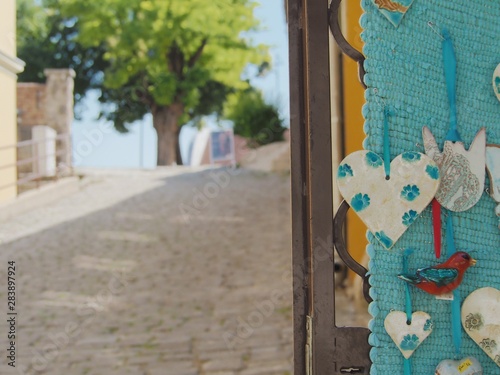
408, 337
393, 10
462, 171
443, 278
496, 81
481, 320
466, 366
493, 168
388, 207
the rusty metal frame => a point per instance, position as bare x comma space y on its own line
320, 347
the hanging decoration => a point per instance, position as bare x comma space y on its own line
462, 171
388, 196
496, 81
466, 366
393, 10
493, 168
408, 337
481, 320
443, 278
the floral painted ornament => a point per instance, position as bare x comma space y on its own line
462, 171
408, 337
466, 366
493, 168
393, 10
481, 320
388, 206
496, 81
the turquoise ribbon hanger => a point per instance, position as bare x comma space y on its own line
450, 72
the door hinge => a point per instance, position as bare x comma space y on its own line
309, 333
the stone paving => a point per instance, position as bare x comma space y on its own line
155, 272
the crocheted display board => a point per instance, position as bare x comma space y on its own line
404, 70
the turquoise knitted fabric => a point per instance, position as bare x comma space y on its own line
404, 69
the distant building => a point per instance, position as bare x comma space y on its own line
10, 66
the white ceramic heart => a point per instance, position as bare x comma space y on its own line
388, 207
496, 81
408, 337
466, 366
481, 320
462, 171
393, 10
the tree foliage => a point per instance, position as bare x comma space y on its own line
45, 39
253, 118
175, 59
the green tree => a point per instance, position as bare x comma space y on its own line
253, 118
174, 59
45, 39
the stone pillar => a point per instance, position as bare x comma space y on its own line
59, 108
44, 151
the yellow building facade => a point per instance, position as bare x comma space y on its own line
10, 66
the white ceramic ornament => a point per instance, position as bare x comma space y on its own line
466, 366
388, 207
493, 168
462, 171
393, 10
496, 81
481, 320
408, 337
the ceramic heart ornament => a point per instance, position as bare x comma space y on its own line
481, 320
408, 337
388, 207
496, 81
466, 366
393, 10
462, 171
493, 168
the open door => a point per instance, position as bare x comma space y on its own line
320, 347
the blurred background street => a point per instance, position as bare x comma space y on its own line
171, 271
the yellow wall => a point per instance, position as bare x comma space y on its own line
9, 66
353, 119
8, 27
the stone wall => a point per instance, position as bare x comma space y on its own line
50, 104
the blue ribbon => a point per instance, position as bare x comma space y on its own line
407, 366
450, 72
408, 308
387, 152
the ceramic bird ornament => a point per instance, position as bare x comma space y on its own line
442, 278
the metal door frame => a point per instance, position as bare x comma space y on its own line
320, 348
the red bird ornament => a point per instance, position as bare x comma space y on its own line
444, 277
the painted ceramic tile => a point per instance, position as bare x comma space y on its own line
481, 320
496, 81
388, 207
466, 366
462, 171
408, 337
393, 10
493, 168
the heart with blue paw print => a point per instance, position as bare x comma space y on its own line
388, 206
408, 334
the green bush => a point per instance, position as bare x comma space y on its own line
253, 118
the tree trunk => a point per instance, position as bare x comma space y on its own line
165, 121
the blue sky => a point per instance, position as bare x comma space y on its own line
97, 144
